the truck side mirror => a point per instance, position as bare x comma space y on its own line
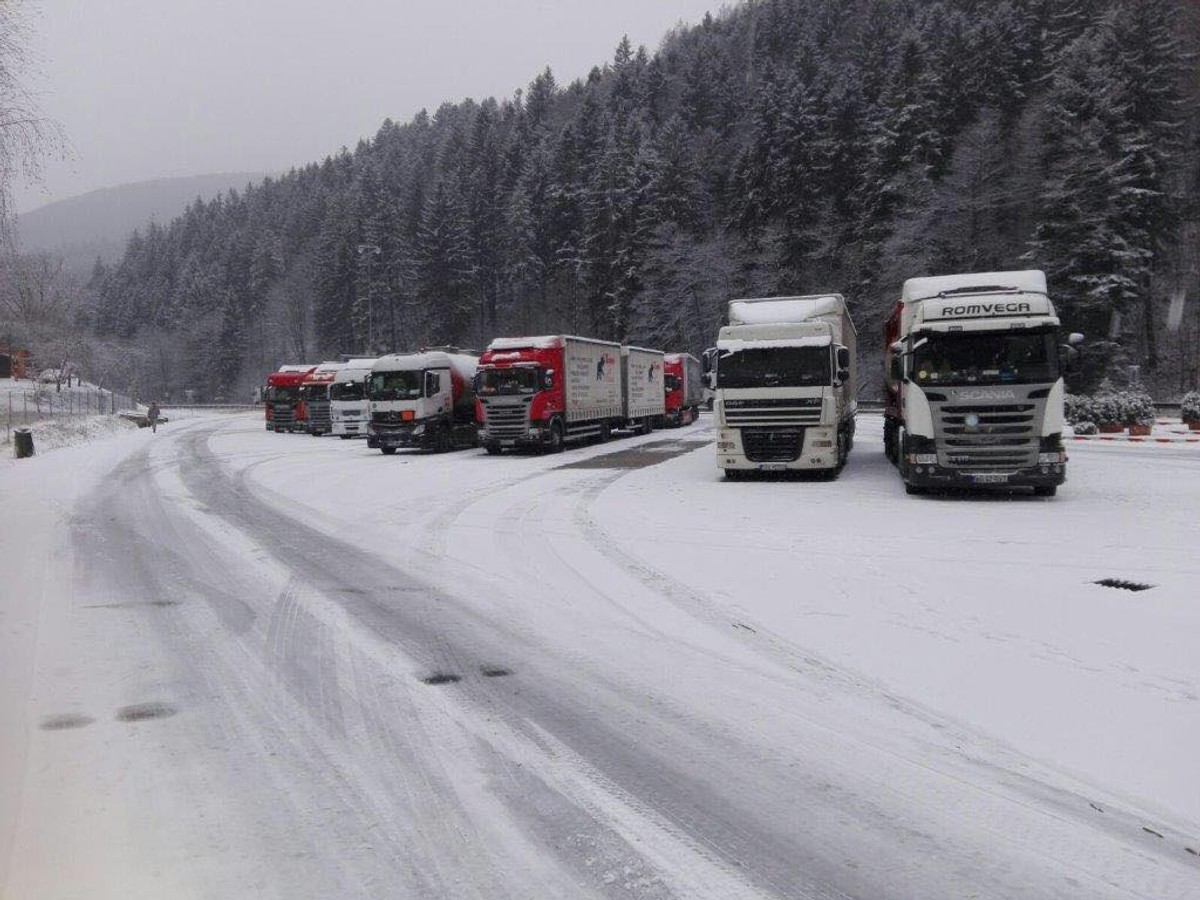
1075, 339
433, 384
843, 360
708, 381
548, 379
1068, 358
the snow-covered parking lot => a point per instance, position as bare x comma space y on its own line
245, 664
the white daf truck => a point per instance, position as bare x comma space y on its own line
348, 411
786, 393
974, 389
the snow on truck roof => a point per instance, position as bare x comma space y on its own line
775, 310
736, 345
432, 359
300, 368
543, 342
1029, 281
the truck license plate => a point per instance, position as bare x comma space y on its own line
990, 478
508, 443
773, 467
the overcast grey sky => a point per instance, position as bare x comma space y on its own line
156, 88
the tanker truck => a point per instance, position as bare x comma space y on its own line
422, 400
541, 392
974, 390
785, 385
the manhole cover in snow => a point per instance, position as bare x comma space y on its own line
1123, 585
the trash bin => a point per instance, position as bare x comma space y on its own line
23, 442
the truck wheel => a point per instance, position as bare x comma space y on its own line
345, 437
605, 432
388, 451
492, 449
1045, 490
556, 437
913, 490
734, 475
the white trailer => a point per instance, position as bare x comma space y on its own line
786, 385
643, 397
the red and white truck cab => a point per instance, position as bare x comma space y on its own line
548, 390
314, 395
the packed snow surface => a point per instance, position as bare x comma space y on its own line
235, 663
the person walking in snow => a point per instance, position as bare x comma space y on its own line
152, 414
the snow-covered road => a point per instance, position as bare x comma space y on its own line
238, 664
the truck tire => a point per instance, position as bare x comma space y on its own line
388, 451
914, 490
605, 432
1045, 490
493, 449
734, 475
345, 437
556, 437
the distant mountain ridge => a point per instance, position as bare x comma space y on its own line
98, 223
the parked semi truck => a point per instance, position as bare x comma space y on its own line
785, 385
283, 408
684, 388
643, 399
544, 391
422, 400
348, 413
709, 362
974, 390
314, 395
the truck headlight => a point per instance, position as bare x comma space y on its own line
418, 431
822, 443
923, 459
1053, 458
726, 445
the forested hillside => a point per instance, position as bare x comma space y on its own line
783, 146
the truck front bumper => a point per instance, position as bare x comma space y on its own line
815, 449
398, 437
532, 437
934, 476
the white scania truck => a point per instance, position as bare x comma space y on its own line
422, 400
786, 393
348, 411
974, 389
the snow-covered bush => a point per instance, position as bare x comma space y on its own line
1137, 407
1085, 428
1107, 409
1190, 406
1078, 408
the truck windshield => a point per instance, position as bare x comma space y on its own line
310, 392
514, 380
672, 383
350, 390
396, 385
277, 394
774, 367
987, 358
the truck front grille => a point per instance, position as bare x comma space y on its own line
282, 416
772, 444
781, 411
506, 422
318, 415
996, 437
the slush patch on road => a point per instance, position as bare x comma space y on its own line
638, 457
133, 604
65, 721
440, 678
140, 712
1123, 585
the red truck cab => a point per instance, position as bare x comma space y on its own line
284, 409
683, 387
